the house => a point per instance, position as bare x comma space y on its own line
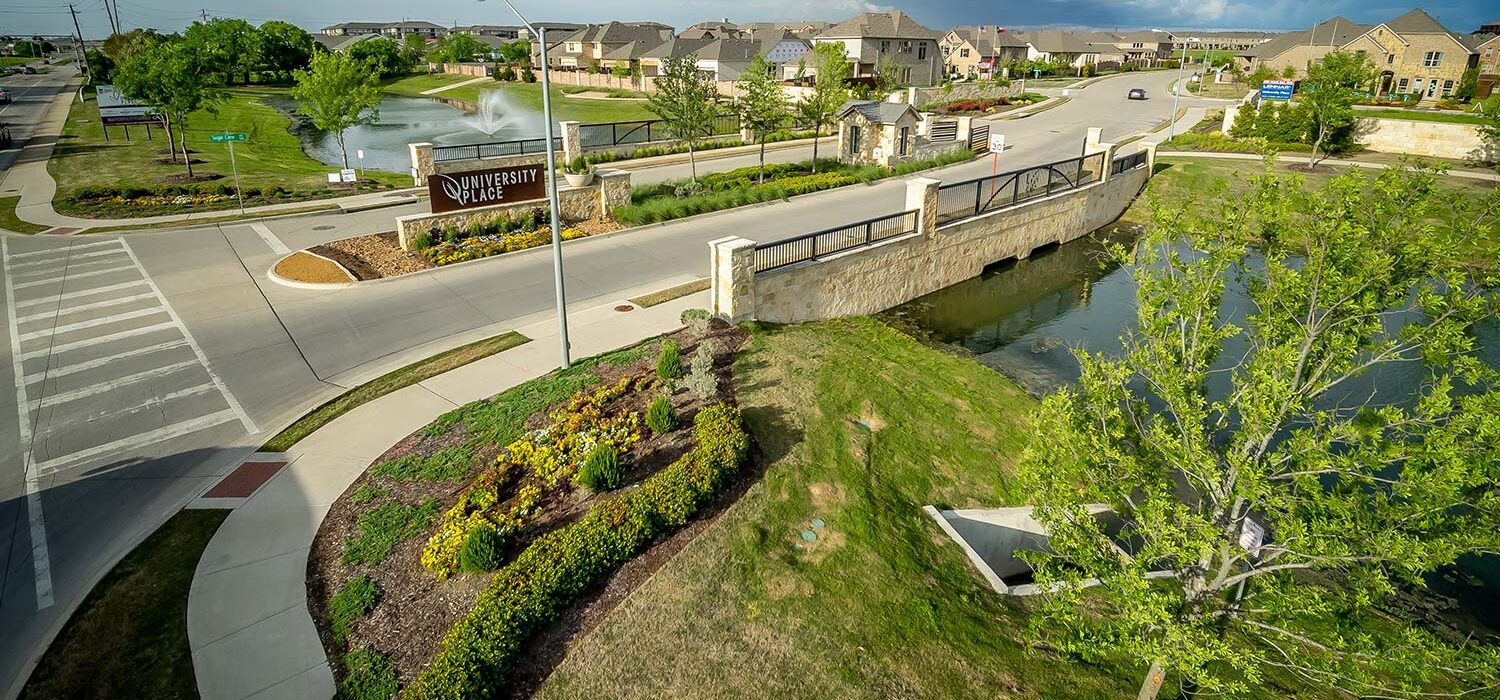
581, 49
878, 38
404, 28
1489, 28
353, 28
496, 30
803, 30
1293, 50
877, 133
1416, 55
342, 43
1487, 53
783, 49
1059, 46
980, 52
1232, 41
676, 47
1147, 48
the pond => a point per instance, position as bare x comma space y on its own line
405, 120
1022, 317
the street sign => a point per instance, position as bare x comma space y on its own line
220, 138
347, 174
1277, 90
997, 143
1252, 535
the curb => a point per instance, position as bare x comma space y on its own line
318, 286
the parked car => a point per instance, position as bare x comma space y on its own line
4, 96
1137, 94
28, 70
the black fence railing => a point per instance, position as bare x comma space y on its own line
494, 149
1130, 162
787, 251
961, 200
610, 134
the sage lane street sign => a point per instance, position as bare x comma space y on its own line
1276, 90
219, 138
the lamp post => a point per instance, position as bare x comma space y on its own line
557, 261
1177, 90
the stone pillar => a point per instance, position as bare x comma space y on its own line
1100, 169
1150, 160
571, 140
1091, 142
614, 191
747, 135
421, 162
1230, 114
732, 278
922, 195
965, 129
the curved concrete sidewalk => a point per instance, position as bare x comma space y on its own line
248, 624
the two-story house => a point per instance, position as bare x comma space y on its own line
1293, 50
581, 49
980, 52
1416, 56
353, 28
1146, 48
1062, 47
400, 30
874, 39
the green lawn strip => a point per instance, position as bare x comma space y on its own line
208, 220
11, 222
564, 108
129, 637
736, 188
12, 61
413, 85
665, 295
385, 384
1419, 116
444, 465
271, 157
381, 529
356, 598
878, 600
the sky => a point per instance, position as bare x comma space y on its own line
25, 17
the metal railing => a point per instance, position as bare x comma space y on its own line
808, 246
609, 134
961, 200
1130, 162
493, 149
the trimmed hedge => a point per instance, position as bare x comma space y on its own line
532, 590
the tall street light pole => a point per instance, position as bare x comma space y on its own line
557, 261
1177, 90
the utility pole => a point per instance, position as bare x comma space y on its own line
204, 15
83, 64
111, 15
118, 21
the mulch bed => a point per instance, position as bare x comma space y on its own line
416, 609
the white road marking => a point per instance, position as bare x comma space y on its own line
71, 248
87, 342
154, 402
75, 368
138, 440
83, 256
58, 298
117, 301
110, 385
40, 560
69, 278
91, 323
270, 238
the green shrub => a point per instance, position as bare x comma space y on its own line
354, 600
601, 471
526, 595
660, 417
421, 242
483, 550
701, 379
366, 493
696, 320
381, 529
371, 676
669, 361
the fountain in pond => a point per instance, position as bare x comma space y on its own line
495, 112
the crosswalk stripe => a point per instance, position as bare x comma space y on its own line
83, 422
91, 323
68, 278
68, 268
49, 251
110, 385
77, 367
117, 301
56, 298
138, 440
87, 342
96, 254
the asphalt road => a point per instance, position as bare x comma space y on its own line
30, 97
147, 364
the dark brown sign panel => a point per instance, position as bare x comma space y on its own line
482, 188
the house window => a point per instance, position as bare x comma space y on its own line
963, 52
922, 52
885, 46
905, 140
1447, 88
854, 139
573, 47
1432, 59
1390, 58
1416, 85
906, 47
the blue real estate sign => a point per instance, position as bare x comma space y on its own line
1276, 90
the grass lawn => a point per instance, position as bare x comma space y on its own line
413, 85
271, 157
1420, 116
129, 637
1228, 91
880, 604
9, 220
10, 61
564, 108
385, 384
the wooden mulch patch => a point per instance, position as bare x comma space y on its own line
416, 609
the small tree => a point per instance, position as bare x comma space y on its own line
516, 53
701, 379
413, 50
285, 47
763, 105
687, 103
1233, 454
228, 47
383, 56
1329, 92
1260, 75
171, 77
1468, 84
887, 77
829, 92
1489, 130
337, 92
456, 48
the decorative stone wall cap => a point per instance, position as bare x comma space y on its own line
923, 181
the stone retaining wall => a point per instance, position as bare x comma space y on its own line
610, 189
875, 278
1431, 139
918, 96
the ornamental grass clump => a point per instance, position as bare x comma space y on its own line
483, 550
669, 361
660, 417
601, 470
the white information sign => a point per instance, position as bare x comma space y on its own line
347, 175
997, 143
116, 108
1252, 535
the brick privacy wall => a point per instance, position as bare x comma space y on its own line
610, 189
870, 280
1431, 139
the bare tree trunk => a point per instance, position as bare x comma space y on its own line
817, 131
762, 159
692, 160
1317, 143
1152, 684
182, 141
342, 152
171, 139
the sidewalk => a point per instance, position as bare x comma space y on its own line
441, 88
248, 624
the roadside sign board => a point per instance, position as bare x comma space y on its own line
1252, 535
347, 174
116, 108
220, 138
1276, 90
482, 188
997, 143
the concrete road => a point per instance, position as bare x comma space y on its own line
146, 364
30, 97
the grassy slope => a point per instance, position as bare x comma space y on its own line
564, 108
271, 156
413, 85
1420, 116
10, 222
880, 605
129, 637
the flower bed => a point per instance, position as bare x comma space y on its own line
481, 239
491, 499
130, 201
988, 105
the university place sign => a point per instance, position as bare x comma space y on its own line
482, 188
